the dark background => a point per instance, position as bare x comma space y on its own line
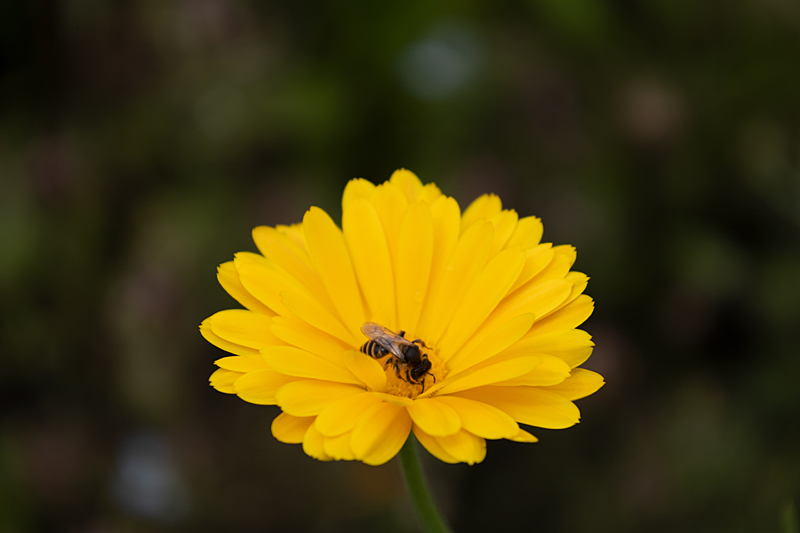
140, 142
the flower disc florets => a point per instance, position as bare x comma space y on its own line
494, 309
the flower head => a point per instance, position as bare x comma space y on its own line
492, 310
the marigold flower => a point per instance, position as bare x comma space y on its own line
496, 310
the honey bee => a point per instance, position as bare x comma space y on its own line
410, 363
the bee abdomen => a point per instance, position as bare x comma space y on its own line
373, 349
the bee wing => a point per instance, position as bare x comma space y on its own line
388, 339
374, 331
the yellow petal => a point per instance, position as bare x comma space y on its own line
563, 259
223, 380
284, 253
579, 282
576, 356
260, 386
309, 310
580, 384
493, 343
573, 346
408, 183
377, 424
568, 317
551, 372
413, 267
309, 397
356, 189
402, 401
430, 193
294, 232
390, 203
391, 443
523, 436
306, 337
537, 299
241, 364
341, 416
366, 242
278, 246
296, 362
250, 258
528, 405
313, 444
242, 327
446, 217
329, 254
485, 207
366, 369
338, 447
265, 281
464, 446
219, 342
481, 298
481, 419
502, 371
432, 445
504, 224
228, 277
527, 233
291, 429
434, 417
536, 259
464, 265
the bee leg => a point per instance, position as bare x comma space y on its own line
420, 342
402, 333
386, 363
423, 386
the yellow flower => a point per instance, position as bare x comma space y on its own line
496, 309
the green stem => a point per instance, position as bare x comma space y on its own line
429, 518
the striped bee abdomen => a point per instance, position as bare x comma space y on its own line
373, 349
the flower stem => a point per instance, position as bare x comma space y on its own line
427, 514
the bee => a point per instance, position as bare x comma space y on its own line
410, 363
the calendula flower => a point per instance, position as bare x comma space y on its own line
493, 312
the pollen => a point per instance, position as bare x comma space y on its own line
397, 387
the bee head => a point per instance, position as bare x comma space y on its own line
419, 372
412, 354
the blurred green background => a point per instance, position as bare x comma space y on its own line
140, 142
